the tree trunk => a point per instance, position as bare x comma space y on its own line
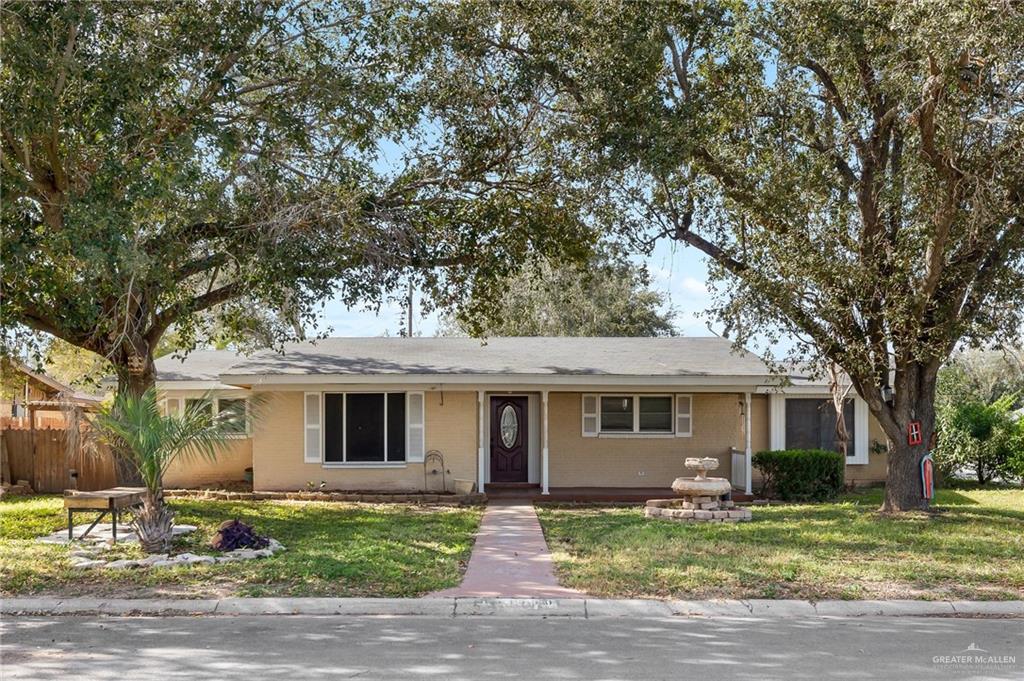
903, 489
154, 523
136, 373
914, 401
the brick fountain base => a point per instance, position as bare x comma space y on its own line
697, 510
701, 499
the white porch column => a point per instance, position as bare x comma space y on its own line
544, 443
746, 432
480, 463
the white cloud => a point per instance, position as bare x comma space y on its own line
692, 285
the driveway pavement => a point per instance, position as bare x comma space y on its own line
412, 647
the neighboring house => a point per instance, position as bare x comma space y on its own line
42, 397
363, 413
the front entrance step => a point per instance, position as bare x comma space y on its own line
512, 490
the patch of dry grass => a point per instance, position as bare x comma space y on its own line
972, 547
334, 549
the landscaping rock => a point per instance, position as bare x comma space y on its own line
121, 564
87, 564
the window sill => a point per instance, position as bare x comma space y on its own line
638, 436
365, 464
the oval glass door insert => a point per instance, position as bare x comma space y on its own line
509, 426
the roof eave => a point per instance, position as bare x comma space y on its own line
263, 380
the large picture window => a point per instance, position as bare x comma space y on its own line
636, 414
364, 427
811, 424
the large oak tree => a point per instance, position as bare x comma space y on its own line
213, 166
217, 168
854, 171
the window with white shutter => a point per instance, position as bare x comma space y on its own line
684, 415
590, 416
312, 452
415, 448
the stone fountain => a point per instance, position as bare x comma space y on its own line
700, 498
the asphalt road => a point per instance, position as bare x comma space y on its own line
406, 648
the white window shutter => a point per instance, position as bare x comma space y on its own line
860, 432
684, 415
313, 418
591, 417
415, 446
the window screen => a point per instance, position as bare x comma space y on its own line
811, 424
616, 414
334, 424
396, 426
364, 427
656, 414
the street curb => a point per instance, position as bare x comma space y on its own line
577, 608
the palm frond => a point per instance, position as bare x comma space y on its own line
153, 441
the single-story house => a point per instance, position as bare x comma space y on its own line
550, 413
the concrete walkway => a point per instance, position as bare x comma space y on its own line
510, 558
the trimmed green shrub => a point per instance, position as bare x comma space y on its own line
800, 474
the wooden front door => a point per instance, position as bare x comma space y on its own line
508, 439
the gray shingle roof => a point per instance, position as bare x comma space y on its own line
198, 365
679, 356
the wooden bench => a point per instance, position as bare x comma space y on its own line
113, 501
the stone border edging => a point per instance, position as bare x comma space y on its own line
510, 607
356, 497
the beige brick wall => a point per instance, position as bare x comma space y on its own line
230, 463
577, 461
278, 447
759, 435
229, 466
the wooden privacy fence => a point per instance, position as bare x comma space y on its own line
41, 456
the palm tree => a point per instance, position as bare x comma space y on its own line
136, 430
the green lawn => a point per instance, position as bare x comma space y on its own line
972, 548
333, 550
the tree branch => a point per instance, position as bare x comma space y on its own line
163, 319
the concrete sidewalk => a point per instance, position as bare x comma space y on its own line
510, 557
582, 608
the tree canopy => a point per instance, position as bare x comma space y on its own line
609, 296
854, 171
217, 166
